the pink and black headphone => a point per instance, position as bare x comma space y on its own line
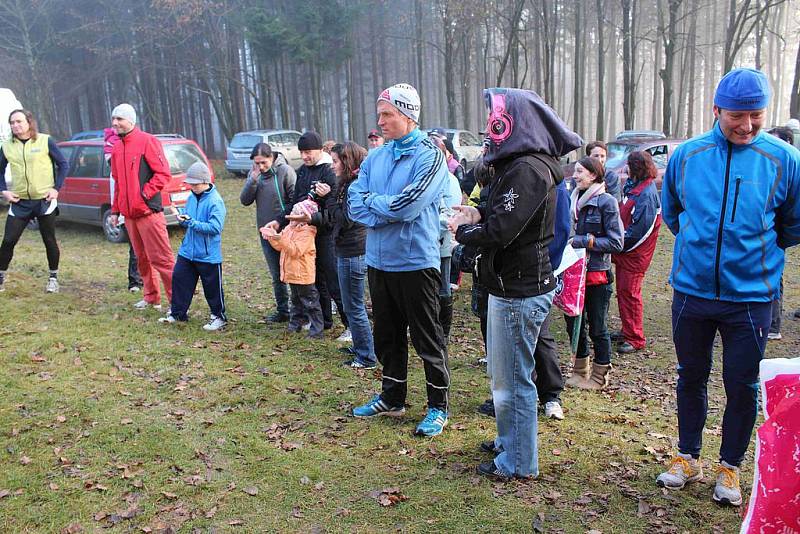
500, 123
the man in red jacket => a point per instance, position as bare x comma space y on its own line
140, 172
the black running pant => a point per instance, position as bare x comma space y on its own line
14, 228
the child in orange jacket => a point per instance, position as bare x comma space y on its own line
298, 257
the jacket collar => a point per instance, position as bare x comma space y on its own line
405, 145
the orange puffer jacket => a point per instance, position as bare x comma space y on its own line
298, 254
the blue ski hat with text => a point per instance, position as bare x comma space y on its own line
743, 90
520, 122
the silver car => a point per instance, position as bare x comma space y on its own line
237, 157
468, 145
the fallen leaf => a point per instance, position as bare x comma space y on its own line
251, 490
235, 522
643, 508
38, 358
4, 493
126, 421
211, 513
74, 528
538, 522
53, 486
99, 516
24, 460
297, 513
169, 495
289, 445
304, 480
61, 419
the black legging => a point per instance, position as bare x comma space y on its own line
14, 228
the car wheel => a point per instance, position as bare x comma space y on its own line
115, 234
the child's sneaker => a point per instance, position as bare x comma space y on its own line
215, 324
378, 406
433, 424
355, 364
346, 337
682, 470
727, 490
167, 319
52, 285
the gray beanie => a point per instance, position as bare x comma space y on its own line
198, 173
125, 111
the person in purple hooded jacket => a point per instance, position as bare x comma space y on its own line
513, 232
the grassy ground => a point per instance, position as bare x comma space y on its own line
112, 421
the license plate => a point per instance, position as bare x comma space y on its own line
179, 197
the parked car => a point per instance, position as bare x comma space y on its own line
85, 196
639, 134
660, 149
237, 158
468, 145
87, 134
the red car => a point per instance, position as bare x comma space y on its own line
85, 196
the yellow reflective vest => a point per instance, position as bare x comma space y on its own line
31, 167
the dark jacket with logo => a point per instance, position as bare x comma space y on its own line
517, 223
272, 191
140, 171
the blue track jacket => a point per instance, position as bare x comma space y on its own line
203, 239
733, 209
396, 196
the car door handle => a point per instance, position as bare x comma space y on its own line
94, 186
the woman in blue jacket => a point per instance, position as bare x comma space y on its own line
598, 229
200, 255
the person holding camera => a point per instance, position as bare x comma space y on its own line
200, 255
316, 170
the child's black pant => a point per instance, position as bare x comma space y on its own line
184, 281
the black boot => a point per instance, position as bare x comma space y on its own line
446, 315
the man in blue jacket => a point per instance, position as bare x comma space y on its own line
730, 196
396, 196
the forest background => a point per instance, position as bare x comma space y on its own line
210, 68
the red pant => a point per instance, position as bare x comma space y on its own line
150, 242
631, 309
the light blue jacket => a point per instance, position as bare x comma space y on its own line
203, 239
397, 196
733, 209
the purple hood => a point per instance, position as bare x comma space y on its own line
520, 122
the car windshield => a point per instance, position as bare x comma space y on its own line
618, 154
181, 156
245, 141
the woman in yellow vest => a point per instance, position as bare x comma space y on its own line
37, 171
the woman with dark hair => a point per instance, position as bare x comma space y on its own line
270, 184
38, 170
598, 229
640, 211
350, 240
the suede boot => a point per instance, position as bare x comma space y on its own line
580, 372
446, 316
598, 378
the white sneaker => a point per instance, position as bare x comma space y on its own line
52, 285
682, 470
143, 305
552, 410
334, 308
346, 337
307, 326
167, 319
215, 324
134, 289
726, 489
454, 287
774, 336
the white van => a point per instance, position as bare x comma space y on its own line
8, 103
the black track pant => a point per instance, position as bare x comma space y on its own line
401, 301
14, 228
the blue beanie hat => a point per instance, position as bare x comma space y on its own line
743, 89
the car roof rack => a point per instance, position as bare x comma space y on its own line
170, 136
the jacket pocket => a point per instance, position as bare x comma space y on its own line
592, 223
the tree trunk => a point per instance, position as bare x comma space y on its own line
600, 131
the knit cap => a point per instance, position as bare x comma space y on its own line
307, 206
405, 98
198, 173
310, 141
124, 111
743, 90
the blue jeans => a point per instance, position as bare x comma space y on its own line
352, 273
444, 271
513, 328
743, 327
280, 289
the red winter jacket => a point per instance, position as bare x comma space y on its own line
140, 172
640, 211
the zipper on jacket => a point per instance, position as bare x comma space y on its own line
25, 166
722, 219
736, 198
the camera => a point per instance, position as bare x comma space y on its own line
312, 191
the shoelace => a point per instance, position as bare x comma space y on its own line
730, 478
432, 416
681, 462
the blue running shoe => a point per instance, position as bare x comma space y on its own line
378, 406
433, 424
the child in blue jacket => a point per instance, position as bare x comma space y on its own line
200, 255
